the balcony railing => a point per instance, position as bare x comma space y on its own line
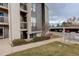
23, 25
23, 6
23, 19
3, 19
4, 4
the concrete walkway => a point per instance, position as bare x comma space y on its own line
4, 46
8, 49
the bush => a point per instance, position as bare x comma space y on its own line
49, 34
35, 39
17, 42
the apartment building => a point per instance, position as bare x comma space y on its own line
23, 20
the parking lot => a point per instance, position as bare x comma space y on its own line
69, 36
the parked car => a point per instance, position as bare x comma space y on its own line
68, 31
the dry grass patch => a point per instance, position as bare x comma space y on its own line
51, 49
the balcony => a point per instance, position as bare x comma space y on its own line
4, 6
23, 25
23, 19
3, 20
23, 7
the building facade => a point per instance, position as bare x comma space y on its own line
23, 20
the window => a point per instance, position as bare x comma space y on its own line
33, 24
6, 14
32, 35
1, 14
33, 20
33, 7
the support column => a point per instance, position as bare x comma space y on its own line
29, 24
14, 21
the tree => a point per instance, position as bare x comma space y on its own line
64, 24
58, 25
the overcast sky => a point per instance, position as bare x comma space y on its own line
59, 12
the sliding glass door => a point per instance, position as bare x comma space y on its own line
1, 33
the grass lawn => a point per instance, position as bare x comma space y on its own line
52, 49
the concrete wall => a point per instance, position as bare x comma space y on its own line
29, 24
14, 21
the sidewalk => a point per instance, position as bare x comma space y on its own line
9, 50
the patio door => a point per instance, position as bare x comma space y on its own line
24, 34
1, 33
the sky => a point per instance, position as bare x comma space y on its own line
59, 12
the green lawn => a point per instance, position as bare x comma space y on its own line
52, 49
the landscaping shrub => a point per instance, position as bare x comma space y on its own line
49, 34
17, 42
35, 39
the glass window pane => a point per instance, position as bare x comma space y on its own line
1, 14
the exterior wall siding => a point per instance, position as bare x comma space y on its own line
29, 19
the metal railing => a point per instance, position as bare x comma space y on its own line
3, 19
23, 19
24, 25
4, 4
23, 6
